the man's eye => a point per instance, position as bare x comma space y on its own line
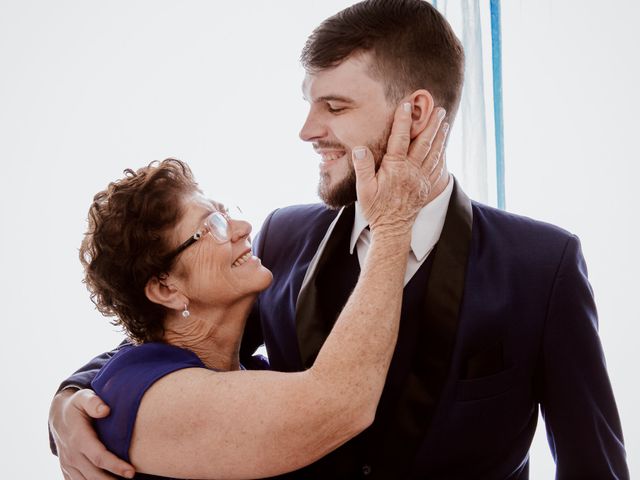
335, 110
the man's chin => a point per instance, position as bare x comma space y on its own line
340, 195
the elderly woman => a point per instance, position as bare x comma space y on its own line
178, 274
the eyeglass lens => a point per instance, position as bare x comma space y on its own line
219, 226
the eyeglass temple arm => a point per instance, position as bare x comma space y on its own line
196, 236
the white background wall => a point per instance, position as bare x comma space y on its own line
572, 73
89, 88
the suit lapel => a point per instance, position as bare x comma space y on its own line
445, 288
311, 326
405, 429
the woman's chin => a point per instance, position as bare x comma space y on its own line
260, 281
268, 278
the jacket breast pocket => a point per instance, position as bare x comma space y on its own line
485, 387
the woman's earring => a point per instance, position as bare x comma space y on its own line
185, 312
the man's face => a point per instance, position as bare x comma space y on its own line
348, 108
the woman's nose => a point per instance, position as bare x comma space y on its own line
240, 229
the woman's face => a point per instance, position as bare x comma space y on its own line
216, 272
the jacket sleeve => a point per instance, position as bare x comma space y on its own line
82, 378
577, 402
253, 336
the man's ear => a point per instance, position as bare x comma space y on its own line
421, 107
159, 291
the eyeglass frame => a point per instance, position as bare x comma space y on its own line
207, 228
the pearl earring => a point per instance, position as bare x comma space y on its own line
185, 312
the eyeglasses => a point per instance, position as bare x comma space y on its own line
216, 223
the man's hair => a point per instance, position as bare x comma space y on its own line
126, 244
413, 47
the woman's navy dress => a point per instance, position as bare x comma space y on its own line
122, 382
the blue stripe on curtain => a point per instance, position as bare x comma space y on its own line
496, 52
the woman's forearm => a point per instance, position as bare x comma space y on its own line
355, 357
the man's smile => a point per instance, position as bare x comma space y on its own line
329, 156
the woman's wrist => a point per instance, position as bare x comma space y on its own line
397, 238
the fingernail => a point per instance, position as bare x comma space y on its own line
441, 113
445, 128
102, 408
129, 474
406, 107
359, 153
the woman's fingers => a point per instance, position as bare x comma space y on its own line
401, 185
364, 166
423, 144
433, 164
400, 136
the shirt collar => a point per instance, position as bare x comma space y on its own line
426, 229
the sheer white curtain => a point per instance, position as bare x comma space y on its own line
472, 145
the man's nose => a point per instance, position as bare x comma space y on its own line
313, 128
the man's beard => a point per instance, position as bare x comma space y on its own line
344, 192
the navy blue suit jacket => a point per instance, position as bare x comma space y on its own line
510, 327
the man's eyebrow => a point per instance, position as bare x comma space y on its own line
335, 98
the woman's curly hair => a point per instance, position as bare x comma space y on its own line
126, 243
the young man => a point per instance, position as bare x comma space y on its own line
498, 316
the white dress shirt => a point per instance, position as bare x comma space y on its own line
424, 234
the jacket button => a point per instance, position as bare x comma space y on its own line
366, 469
